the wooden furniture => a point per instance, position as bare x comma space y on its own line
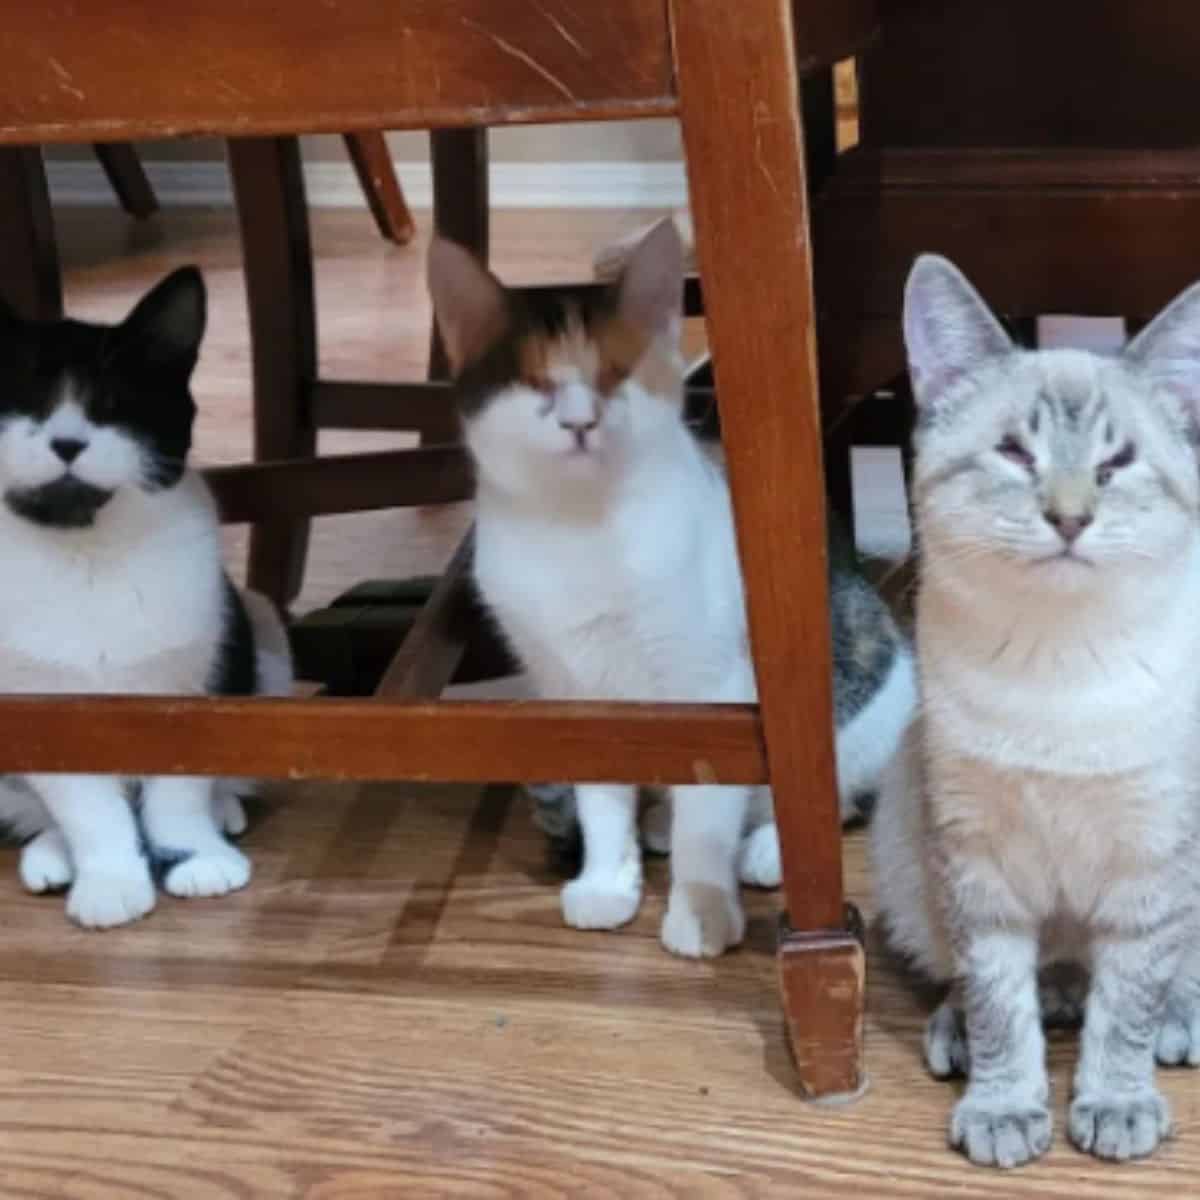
1048, 149
731, 73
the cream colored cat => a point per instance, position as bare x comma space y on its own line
1046, 807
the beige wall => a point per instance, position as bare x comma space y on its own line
614, 141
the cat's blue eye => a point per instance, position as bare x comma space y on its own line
1122, 458
1014, 451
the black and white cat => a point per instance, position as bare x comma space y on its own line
113, 582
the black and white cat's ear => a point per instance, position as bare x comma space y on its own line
948, 329
650, 289
1169, 348
469, 302
167, 324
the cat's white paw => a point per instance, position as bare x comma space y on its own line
600, 903
102, 897
702, 920
214, 871
758, 857
46, 862
656, 827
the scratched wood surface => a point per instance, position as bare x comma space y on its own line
138, 68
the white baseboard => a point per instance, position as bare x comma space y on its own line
334, 185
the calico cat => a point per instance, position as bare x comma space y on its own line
113, 583
1046, 806
873, 693
605, 549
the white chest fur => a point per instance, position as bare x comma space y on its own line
133, 604
637, 599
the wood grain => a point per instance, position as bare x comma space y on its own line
745, 153
346, 483
371, 739
289, 66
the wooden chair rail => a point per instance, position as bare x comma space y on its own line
446, 741
341, 483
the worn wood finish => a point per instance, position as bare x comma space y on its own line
287, 492
747, 185
372, 161
435, 645
273, 215
127, 178
822, 978
287, 66
29, 276
450, 742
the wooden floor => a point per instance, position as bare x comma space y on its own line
393, 1008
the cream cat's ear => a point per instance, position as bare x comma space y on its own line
469, 302
1169, 347
650, 290
948, 329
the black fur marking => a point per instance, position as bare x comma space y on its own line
234, 673
132, 377
532, 312
66, 503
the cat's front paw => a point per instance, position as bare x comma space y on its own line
102, 897
1179, 1035
214, 871
46, 862
946, 1043
600, 903
702, 920
1118, 1126
1000, 1131
758, 857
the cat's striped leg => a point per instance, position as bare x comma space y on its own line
1002, 1119
1179, 1034
1117, 1111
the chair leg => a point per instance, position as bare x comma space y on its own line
377, 177
269, 189
29, 276
460, 204
739, 108
127, 178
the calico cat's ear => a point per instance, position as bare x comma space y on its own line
1169, 348
948, 329
166, 325
650, 289
469, 302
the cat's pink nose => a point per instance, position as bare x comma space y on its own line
1068, 527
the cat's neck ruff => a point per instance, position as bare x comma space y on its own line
1079, 684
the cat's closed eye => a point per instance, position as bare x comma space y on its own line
1012, 449
1122, 458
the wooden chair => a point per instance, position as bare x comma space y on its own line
1049, 149
731, 74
